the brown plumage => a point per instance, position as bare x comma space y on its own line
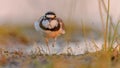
50, 26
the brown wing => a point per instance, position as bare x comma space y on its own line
62, 24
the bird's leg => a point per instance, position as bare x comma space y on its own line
46, 40
54, 42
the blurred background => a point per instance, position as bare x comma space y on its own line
81, 17
27, 11
89, 31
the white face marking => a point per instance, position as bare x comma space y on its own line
50, 16
48, 24
53, 23
45, 23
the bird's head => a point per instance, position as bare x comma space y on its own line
50, 15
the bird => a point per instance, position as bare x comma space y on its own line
50, 26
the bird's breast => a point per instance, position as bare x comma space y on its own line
53, 34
